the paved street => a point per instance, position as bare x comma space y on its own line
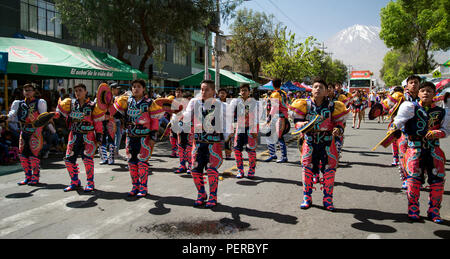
368, 199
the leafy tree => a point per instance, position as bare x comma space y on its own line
337, 71
396, 67
112, 19
291, 60
325, 67
131, 22
419, 26
253, 34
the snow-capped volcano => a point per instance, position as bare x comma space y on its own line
359, 46
359, 32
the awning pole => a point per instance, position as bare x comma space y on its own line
6, 94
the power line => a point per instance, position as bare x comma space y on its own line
262, 8
289, 18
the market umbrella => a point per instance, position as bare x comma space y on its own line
289, 86
443, 84
267, 87
303, 86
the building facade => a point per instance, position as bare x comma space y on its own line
227, 62
39, 19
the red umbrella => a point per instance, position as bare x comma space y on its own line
443, 84
307, 88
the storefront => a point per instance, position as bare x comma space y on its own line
54, 66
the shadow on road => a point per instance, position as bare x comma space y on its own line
365, 216
366, 153
160, 209
349, 164
258, 180
42, 186
363, 187
52, 163
355, 186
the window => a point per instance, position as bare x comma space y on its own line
199, 53
24, 24
40, 17
58, 27
42, 21
179, 56
160, 52
360, 83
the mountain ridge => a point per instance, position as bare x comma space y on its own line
361, 47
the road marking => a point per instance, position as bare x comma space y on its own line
107, 223
24, 219
373, 236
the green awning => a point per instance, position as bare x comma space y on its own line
252, 83
38, 58
227, 78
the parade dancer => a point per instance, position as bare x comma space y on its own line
84, 118
423, 124
107, 144
31, 142
341, 95
411, 92
115, 90
206, 115
228, 137
185, 139
246, 134
141, 123
333, 96
173, 135
356, 104
390, 107
278, 114
319, 152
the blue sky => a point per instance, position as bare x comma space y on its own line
319, 18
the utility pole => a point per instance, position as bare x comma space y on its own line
323, 48
207, 76
216, 52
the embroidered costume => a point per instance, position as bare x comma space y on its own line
246, 133
108, 145
31, 142
278, 115
184, 146
423, 157
85, 124
207, 120
390, 107
141, 124
319, 152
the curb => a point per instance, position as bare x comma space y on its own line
5, 170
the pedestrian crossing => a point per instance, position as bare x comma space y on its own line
27, 218
108, 223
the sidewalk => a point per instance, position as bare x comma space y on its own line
10, 169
